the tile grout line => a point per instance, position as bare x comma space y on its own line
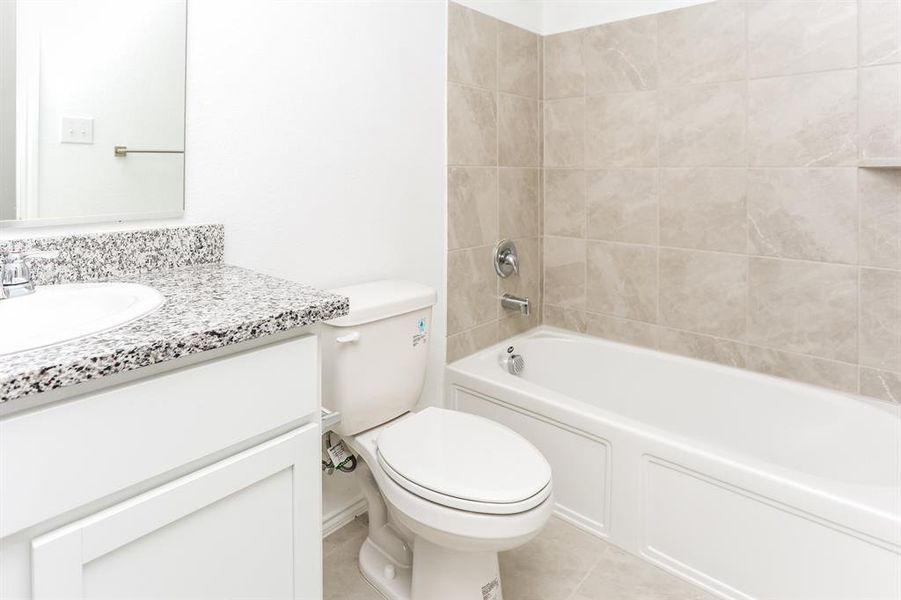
588, 573
539, 154
714, 82
584, 154
474, 86
657, 191
541, 93
857, 198
730, 253
497, 132
747, 48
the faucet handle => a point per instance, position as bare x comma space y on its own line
510, 259
505, 259
15, 276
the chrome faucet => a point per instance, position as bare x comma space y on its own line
512, 302
15, 276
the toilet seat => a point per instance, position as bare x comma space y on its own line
463, 461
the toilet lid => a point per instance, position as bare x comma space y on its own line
464, 461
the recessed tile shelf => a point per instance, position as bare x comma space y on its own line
880, 163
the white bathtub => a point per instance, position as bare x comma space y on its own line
747, 485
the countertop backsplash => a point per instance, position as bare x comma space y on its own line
115, 254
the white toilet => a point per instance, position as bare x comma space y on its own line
447, 490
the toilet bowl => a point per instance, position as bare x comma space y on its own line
446, 490
461, 489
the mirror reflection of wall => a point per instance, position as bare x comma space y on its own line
80, 77
7, 110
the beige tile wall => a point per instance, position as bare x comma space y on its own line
494, 179
701, 194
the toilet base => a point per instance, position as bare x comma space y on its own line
440, 572
384, 574
451, 574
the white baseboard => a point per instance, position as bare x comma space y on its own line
338, 519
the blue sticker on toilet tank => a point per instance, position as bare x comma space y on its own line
420, 337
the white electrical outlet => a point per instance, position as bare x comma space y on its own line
76, 130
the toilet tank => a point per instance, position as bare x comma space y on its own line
374, 358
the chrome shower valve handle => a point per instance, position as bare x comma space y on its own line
506, 261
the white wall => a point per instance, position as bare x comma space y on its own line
7, 110
316, 134
566, 15
527, 14
554, 16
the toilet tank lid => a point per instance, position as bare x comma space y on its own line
382, 299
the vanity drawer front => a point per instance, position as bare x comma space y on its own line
67, 455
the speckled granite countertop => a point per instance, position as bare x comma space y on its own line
206, 307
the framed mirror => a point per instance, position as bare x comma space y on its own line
92, 110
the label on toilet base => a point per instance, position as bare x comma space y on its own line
338, 454
491, 590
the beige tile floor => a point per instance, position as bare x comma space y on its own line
562, 563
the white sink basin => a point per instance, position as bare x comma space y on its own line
59, 313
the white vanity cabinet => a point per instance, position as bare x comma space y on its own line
202, 482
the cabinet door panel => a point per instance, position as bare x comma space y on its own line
247, 526
69, 454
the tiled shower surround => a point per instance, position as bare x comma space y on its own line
493, 175
702, 193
